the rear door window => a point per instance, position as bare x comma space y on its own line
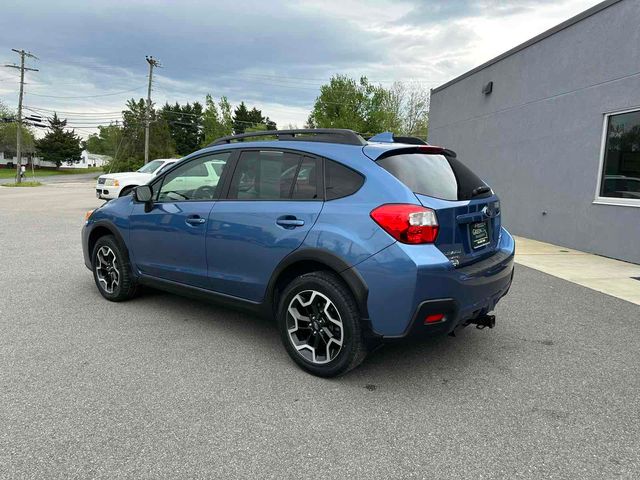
264, 175
275, 175
436, 176
306, 186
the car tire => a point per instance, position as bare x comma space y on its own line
126, 191
112, 270
320, 325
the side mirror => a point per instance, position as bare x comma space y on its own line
143, 193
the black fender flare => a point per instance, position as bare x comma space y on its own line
350, 276
113, 230
109, 226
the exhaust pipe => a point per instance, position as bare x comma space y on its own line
483, 321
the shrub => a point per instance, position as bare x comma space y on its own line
123, 165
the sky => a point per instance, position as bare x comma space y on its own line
273, 54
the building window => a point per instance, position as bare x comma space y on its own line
621, 159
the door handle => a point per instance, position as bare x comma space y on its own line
195, 220
289, 221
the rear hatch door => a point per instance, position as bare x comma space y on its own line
468, 211
469, 230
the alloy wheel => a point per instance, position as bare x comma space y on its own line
315, 327
107, 269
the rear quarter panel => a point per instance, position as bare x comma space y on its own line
345, 227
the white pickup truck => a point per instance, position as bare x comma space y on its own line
114, 185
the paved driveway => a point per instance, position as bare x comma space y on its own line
164, 386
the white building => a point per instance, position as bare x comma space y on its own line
87, 160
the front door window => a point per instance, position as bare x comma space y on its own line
198, 179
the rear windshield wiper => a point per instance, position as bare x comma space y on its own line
480, 190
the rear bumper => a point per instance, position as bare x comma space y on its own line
408, 282
456, 313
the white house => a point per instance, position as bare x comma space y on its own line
87, 160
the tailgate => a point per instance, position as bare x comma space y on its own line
469, 230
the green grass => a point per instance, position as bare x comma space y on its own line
11, 173
21, 184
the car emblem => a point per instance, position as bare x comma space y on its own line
489, 212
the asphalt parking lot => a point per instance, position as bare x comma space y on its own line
164, 386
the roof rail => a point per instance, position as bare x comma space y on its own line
326, 135
389, 137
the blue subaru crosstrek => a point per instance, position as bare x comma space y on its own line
346, 242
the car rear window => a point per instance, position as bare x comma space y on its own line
438, 176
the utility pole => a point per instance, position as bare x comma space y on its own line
22, 68
152, 63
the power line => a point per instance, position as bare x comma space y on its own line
91, 117
90, 96
67, 111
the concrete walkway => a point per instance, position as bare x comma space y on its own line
602, 274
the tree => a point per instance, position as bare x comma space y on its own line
9, 131
255, 116
6, 114
370, 109
107, 141
216, 124
270, 124
160, 142
415, 117
59, 145
185, 125
377, 116
241, 119
128, 153
226, 115
8, 139
341, 104
246, 120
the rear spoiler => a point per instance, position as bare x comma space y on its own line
425, 149
420, 146
389, 137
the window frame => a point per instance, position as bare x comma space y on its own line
166, 167
599, 199
236, 160
179, 164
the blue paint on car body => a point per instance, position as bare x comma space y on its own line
237, 247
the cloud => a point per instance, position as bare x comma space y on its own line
431, 12
272, 54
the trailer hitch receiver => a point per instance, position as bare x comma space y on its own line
483, 321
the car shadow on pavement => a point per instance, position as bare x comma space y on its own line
441, 357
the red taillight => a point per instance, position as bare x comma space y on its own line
407, 223
433, 318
